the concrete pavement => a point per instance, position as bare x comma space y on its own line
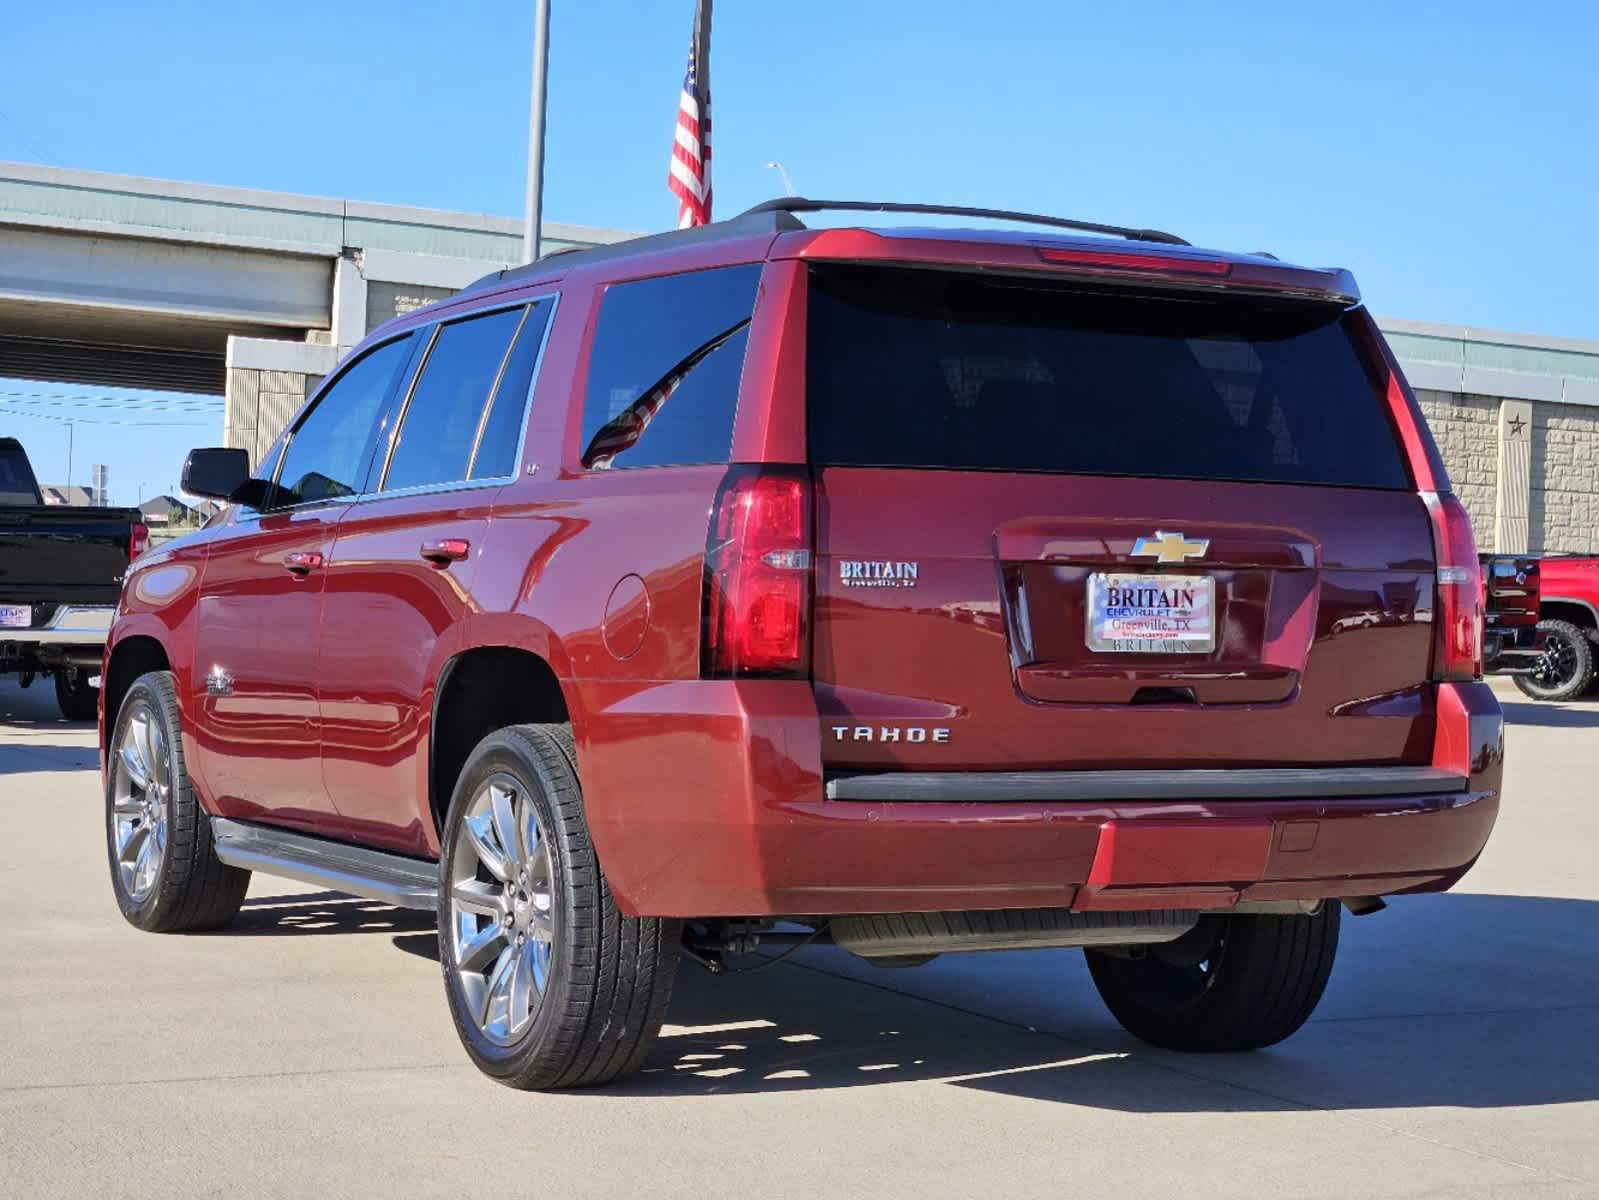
308, 1050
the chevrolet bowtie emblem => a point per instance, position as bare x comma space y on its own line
1169, 547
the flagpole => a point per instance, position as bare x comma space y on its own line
535, 135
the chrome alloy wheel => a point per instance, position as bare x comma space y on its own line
141, 801
502, 909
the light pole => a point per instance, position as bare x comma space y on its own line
778, 167
535, 132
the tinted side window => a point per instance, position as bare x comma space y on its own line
502, 432
328, 455
434, 442
663, 379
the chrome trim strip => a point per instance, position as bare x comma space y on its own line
78, 617
71, 625
337, 866
999, 787
424, 489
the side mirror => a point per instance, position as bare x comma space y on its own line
216, 472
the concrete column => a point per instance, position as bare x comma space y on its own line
240, 409
1513, 498
268, 380
349, 302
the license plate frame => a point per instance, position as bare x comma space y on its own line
16, 616
1172, 613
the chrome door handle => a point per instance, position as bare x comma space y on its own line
302, 562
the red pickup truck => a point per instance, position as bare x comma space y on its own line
1569, 626
915, 589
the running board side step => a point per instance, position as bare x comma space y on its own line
336, 866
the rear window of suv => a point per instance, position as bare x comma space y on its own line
939, 369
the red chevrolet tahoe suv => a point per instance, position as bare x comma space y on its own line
916, 590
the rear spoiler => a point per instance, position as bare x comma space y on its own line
1154, 262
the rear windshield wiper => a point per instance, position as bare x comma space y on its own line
623, 431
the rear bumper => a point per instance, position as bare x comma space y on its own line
708, 799
75, 635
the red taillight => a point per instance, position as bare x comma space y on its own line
138, 540
1457, 653
758, 575
1116, 260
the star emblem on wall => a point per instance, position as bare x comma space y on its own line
1516, 425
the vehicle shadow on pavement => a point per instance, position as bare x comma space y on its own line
322, 912
35, 737
1552, 716
1456, 1000
1459, 1001
33, 706
27, 756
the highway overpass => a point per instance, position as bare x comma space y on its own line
150, 283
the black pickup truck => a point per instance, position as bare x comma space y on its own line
61, 570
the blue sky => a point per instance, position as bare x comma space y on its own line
1448, 154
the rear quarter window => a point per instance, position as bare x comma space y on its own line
949, 370
664, 374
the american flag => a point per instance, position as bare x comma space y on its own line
690, 176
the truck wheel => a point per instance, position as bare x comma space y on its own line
1234, 983
1567, 666
164, 872
76, 699
549, 984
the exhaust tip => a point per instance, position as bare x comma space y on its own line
1364, 906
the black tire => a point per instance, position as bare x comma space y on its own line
77, 700
1567, 668
192, 888
609, 977
1235, 983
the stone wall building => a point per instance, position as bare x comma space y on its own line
1516, 417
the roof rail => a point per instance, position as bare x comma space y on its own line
777, 216
559, 261
797, 204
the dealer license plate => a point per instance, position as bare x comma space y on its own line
1151, 614
16, 616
